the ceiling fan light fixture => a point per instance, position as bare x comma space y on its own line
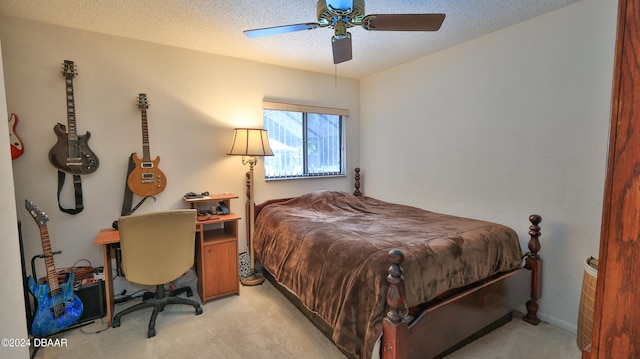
340, 5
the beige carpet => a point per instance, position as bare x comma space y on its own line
261, 323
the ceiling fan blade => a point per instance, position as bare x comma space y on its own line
276, 30
340, 4
403, 22
341, 49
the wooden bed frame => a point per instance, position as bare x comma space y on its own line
466, 315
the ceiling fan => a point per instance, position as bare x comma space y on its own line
343, 14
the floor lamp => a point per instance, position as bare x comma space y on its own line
250, 143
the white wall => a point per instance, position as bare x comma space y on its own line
13, 324
196, 99
510, 124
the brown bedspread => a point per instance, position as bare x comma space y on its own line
330, 249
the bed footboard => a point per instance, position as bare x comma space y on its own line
469, 314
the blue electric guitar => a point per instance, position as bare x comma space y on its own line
57, 305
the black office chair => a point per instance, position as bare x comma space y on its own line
157, 248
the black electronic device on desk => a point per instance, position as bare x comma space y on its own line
222, 208
193, 195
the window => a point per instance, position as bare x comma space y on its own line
306, 141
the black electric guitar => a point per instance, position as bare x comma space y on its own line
57, 305
71, 154
146, 179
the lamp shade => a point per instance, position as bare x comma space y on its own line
250, 142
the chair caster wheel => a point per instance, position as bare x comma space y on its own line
198, 311
151, 333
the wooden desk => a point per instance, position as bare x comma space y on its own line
105, 238
217, 269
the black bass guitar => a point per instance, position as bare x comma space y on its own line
57, 305
71, 154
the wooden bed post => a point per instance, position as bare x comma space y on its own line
394, 327
533, 262
357, 192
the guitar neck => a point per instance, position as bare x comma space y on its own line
72, 133
52, 276
146, 153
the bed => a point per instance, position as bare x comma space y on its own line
394, 281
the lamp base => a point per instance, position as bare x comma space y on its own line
253, 279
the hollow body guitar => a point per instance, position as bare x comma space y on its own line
57, 305
146, 179
71, 154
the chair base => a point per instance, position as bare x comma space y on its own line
158, 301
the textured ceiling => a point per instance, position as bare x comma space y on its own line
216, 26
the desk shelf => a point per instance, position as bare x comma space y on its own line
222, 218
212, 235
216, 248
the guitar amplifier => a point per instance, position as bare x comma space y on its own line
93, 300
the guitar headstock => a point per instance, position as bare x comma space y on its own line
142, 101
69, 69
40, 217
